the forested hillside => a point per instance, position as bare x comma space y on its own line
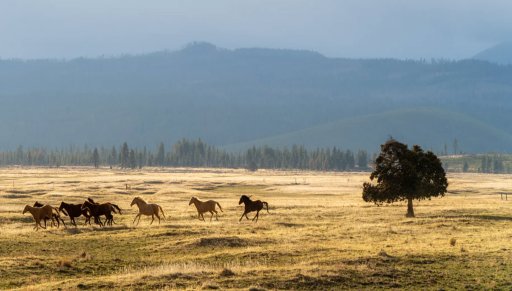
227, 97
428, 127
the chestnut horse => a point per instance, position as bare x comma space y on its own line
55, 215
251, 206
205, 206
147, 209
39, 213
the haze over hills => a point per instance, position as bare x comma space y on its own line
230, 96
427, 127
499, 54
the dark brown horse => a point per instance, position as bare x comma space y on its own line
251, 206
55, 215
97, 210
73, 211
109, 217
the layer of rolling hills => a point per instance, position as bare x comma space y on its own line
499, 54
428, 127
229, 96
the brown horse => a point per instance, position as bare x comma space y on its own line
109, 217
147, 209
251, 206
55, 215
205, 206
39, 213
97, 210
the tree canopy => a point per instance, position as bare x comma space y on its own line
405, 174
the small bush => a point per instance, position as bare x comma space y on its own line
453, 241
63, 262
226, 273
382, 253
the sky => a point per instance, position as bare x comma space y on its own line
403, 29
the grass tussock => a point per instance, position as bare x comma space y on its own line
210, 285
226, 273
64, 262
453, 241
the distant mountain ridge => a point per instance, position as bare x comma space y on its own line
427, 127
229, 96
499, 54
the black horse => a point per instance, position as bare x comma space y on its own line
73, 211
251, 206
54, 214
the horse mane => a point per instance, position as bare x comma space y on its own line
90, 200
140, 198
193, 197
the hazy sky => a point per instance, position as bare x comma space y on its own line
452, 29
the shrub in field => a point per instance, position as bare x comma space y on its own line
63, 262
226, 273
453, 241
405, 174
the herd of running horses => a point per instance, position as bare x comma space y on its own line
89, 208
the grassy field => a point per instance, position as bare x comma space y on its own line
320, 234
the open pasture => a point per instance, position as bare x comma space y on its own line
320, 233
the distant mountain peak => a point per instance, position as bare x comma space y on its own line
198, 48
499, 54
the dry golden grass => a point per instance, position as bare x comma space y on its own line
319, 235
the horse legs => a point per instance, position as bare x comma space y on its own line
139, 219
256, 216
242, 216
216, 216
135, 218
246, 216
158, 216
202, 215
152, 216
39, 222
211, 216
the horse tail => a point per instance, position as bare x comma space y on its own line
265, 203
163, 214
117, 207
219, 206
56, 211
64, 211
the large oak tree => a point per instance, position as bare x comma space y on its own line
405, 174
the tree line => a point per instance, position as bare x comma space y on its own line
189, 153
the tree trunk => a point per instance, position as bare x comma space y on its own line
410, 210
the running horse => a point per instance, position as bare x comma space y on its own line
205, 206
73, 211
55, 215
147, 209
40, 213
251, 206
96, 210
